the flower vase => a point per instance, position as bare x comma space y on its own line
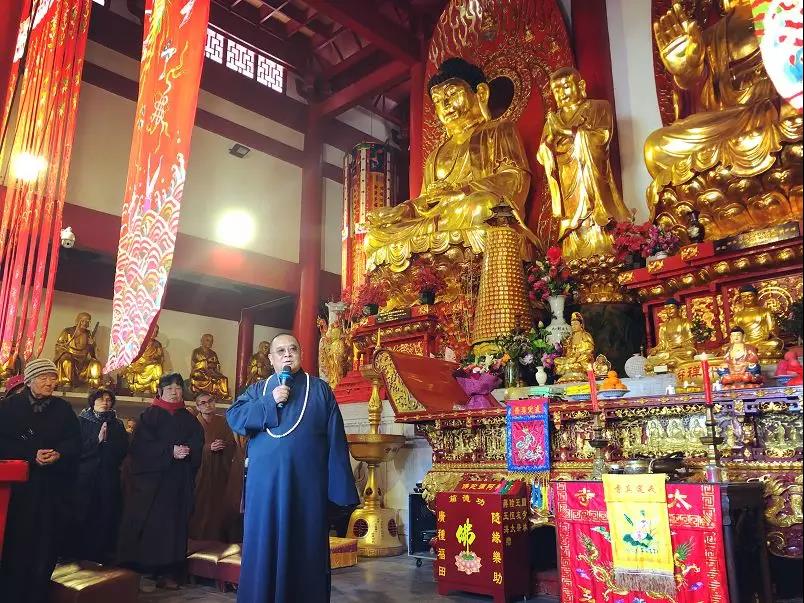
511, 374
558, 330
541, 375
370, 309
427, 297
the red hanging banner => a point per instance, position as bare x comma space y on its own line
170, 75
38, 143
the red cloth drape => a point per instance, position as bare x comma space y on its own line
170, 74
43, 133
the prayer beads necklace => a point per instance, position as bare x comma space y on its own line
301, 414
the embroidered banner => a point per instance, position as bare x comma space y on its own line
585, 555
527, 440
170, 73
37, 144
640, 532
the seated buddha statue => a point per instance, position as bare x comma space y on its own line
144, 373
574, 151
577, 354
480, 164
75, 358
259, 366
205, 372
733, 121
674, 343
742, 362
758, 324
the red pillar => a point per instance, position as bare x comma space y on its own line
312, 213
590, 39
245, 346
415, 127
9, 28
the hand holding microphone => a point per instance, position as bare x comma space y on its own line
282, 393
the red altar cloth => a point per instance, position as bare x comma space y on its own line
482, 540
585, 560
10, 472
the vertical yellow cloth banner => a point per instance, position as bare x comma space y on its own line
642, 553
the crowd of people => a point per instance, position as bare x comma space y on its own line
98, 493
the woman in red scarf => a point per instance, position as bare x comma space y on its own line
165, 454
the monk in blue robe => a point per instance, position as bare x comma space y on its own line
298, 460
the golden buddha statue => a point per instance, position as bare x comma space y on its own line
733, 127
742, 361
144, 373
674, 343
758, 324
574, 151
75, 358
11, 367
334, 354
205, 373
480, 165
578, 351
259, 367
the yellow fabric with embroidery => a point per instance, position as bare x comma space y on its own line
640, 532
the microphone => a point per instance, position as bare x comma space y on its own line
285, 378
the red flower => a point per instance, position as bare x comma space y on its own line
553, 272
553, 255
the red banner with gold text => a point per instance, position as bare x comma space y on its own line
37, 145
170, 74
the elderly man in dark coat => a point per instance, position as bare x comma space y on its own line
37, 427
165, 454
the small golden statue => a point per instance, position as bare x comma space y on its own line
11, 367
734, 128
334, 354
205, 374
75, 358
144, 373
578, 352
480, 165
674, 343
574, 151
742, 362
758, 325
259, 367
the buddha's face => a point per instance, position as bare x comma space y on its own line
671, 311
748, 299
457, 105
568, 90
264, 348
207, 341
577, 326
82, 320
736, 337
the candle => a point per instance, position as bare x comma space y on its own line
707, 382
590, 375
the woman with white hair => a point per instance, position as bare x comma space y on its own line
40, 428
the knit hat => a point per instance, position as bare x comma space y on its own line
40, 366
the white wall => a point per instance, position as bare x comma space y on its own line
179, 332
634, 93
333, 216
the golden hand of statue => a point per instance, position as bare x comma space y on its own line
388, 215
680, 43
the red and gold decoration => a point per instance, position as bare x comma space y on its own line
170, 74
482, 539
38, 150
588, 566
369, 183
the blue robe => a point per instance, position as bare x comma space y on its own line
289, 480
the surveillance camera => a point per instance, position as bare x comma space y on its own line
67, 238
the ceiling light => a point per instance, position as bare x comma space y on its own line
236, 228
239, 150
27, 166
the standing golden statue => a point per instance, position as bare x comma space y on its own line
675, 343
75, 359
758, 325
205, 372
480, 165
259, 367
578, 352
574, 151
334, 354
144, 373
734, 126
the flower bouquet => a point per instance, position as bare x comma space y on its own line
368, 298
427, 281
550, 277
644, 241
478, 379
